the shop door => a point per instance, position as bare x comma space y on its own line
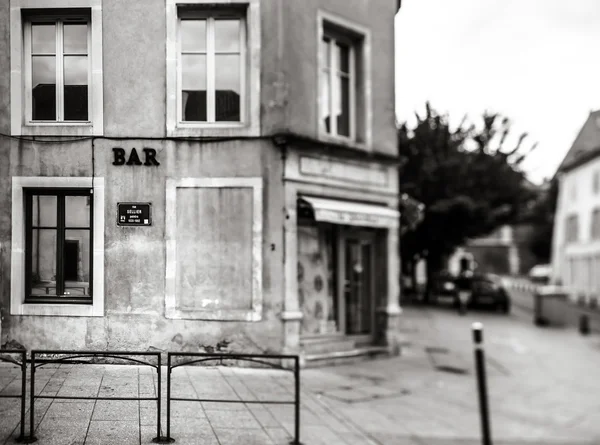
359, 289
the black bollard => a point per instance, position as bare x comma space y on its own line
584, 324
486, 435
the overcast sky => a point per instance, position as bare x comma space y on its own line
534, 61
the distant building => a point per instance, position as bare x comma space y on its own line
576, 238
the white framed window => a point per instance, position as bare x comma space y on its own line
211, 49
344, 80
213, 56
57, 257
56, 67
338, 76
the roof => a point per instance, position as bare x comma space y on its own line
586, 145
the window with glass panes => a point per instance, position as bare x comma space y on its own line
337, 86
211, 67
58, 245
57, 68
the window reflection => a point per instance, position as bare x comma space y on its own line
43, 211
43, 82
77, 211
43, 38
193, 35
227, 84
43, 262
75, 38
76, 88
194, 100
227, 36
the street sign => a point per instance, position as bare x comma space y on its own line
134, 214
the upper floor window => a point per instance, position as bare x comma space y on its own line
57, 68
572, 229
342, 80
595, 225
211, 67
596, 182
337, 92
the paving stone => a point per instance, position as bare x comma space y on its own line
124, 410
113, 432
61, 431
232, 419
247, 436
75, 410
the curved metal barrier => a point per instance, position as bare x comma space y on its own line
74, 357
23, 365
201, 357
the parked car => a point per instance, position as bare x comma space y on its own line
445, 287
489, 290
540, 274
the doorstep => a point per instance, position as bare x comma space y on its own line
344, 357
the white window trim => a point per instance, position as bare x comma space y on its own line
323, 19
17, 265
250, 74
20, 124
171, 310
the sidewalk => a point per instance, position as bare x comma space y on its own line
541, 382
134, 422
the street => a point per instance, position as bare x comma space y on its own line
541, 381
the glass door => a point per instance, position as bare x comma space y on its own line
359, 292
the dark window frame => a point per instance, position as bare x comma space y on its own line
61, 228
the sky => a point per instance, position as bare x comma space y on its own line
536, 62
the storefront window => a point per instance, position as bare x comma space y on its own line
317, 278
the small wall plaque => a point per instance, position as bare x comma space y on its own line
134, 214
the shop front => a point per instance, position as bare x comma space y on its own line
345, 231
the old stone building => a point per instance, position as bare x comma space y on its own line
188, 175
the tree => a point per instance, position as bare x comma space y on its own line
467, 181
542, 219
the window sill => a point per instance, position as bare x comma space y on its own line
57, 310
341, 140
58, 301
59, 129
214, 130
215, 315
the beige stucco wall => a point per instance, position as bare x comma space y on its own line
134, 93
135, 257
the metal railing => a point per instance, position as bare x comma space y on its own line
201, 357
74, 357
5, 356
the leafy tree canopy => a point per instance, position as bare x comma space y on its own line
468, 181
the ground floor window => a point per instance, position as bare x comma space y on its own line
58, 245
338, 272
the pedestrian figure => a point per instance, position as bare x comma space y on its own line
464, 288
